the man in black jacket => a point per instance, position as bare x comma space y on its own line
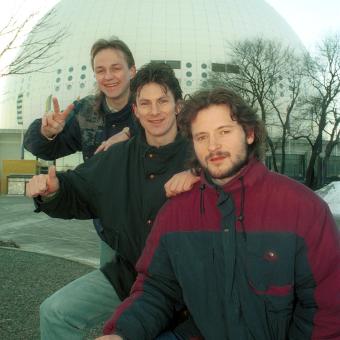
123, 187
94, 122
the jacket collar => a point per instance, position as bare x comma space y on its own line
252, 172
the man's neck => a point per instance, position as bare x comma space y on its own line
161, 141
116, 104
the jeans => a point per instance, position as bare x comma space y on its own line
81, 304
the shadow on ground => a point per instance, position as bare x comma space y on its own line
26, 279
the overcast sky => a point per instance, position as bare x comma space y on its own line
310, 19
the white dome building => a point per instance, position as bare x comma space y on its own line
192, 36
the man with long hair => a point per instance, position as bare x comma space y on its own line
252, 253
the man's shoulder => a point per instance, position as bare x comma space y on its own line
84, 105
185, 201
294, 193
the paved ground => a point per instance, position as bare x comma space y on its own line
27, 276
36, 232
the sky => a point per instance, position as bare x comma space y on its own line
310, 19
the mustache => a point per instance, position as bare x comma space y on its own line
217, 154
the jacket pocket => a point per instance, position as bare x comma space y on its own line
270, 275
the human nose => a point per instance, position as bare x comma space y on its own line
213, 143
108, 74
154, 109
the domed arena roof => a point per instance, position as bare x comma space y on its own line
192, 36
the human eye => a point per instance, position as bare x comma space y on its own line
116, 68
164, 100
224, 132
201, 138
99, 71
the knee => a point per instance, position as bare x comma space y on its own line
52, 308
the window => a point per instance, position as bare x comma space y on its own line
174, 64
232, 68
215, 67
188, 65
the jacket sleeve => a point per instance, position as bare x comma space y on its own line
65, 143
317, 312
149, 309
78, 194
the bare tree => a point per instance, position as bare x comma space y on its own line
321, 107
268, 75
34, 49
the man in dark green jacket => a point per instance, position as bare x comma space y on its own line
123, 187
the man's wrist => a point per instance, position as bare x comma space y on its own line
48, 138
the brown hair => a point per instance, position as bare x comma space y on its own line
103, 44
159, 73
241, 112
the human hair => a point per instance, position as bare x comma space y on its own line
241, 112
103, 44
113, 43
158, 73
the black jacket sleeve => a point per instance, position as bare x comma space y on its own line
65, 143
79, 193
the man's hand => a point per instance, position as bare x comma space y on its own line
53, 123
110, 337
118, 137
181, 182
43, 185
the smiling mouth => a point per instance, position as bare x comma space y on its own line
111, 85
156, 121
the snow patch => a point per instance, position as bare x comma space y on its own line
331, 194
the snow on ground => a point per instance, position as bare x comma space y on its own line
331, 194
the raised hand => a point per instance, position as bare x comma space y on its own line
43, 185
52, 123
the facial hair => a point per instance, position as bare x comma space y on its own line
240, 161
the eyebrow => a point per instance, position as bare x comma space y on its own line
218, 128
162, 97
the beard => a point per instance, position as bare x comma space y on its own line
227, 173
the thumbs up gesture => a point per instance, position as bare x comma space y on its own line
43, 185
53, 123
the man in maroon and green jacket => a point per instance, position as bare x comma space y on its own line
251, 253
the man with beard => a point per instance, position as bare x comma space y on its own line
252, 253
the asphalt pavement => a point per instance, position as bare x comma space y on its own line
38, 255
